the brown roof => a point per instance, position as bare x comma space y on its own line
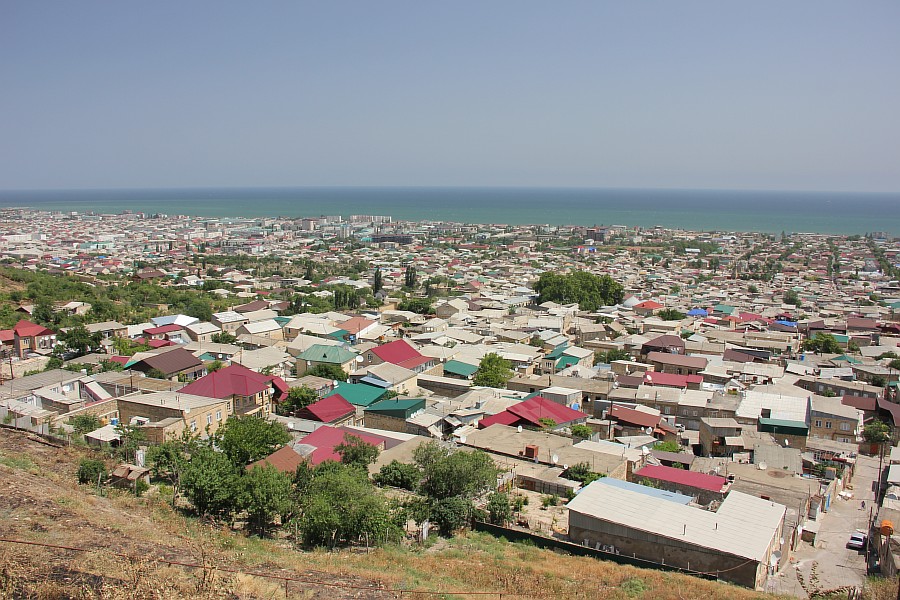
285, 459
252, 306
173, 361
691, 362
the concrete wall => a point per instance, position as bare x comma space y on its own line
655, 548
376, 421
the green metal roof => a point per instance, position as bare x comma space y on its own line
557, 352
566, 361
396, 407
358, 394
459, 368
321, 353
783, 426
849, 359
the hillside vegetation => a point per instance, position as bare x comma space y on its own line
120, 546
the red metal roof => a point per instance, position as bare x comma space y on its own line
396, 352
633, 417
325, 438
327, 410
163, 329
712, 483
866, 404
235, 380
28, 329
671, 380
649, 304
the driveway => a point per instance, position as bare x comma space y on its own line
831, 565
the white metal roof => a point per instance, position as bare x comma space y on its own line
743, 526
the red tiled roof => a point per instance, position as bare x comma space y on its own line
649, 304
327, 410
712, 483
235, 380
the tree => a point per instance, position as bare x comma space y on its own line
85, 423
42, 312
265, 493
670, 314
547, 423
131, 437
399, 475
877, 432
155, 373
791, 297
340, 505
894, 364
376, 284
493, 371
214, 366
589, 291
223, 338
823, 343
210, 482
410, 277
581, 472
355, 452
247, 439
451, 513
499, 508
79, 339
448, 473
297, 398
669, 446
752, 289
200, 309
582, 431
91, 471
611, 355
328, 372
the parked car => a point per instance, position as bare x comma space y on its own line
857, 541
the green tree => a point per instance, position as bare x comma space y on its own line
894, 364
91, 471
410, 277
668, 446
155, 373
447, 473
340, 505
200, 309
611, 355
877, 432
210, 482
265, 494
223, 338
377, 285
247, 439
451, 514
79, 339
131, 437
752, 289
499, 508
582, 431
493, 371
547, 422
43, 312
399, 475
328, 372
589, 291
791, 297
581, 472
214, 366
298, 398
355, 452
670, 314
85, 423
823, 343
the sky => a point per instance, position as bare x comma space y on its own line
799, 95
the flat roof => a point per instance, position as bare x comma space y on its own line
743, 526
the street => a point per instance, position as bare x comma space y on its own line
831, 564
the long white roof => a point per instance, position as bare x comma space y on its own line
743, 526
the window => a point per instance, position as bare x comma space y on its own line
827, 424
845, 426
668, 410
209, 419
218, 415
193, 426
818, 423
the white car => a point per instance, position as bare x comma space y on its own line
857, 541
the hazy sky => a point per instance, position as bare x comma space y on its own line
763, 94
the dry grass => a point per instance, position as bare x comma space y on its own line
43, 504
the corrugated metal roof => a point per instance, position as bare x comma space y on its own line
744, 526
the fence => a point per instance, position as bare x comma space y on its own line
517, 535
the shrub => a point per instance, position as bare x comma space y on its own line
91, 471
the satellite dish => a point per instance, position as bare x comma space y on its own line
565, 467
519, 429
359, 359
462, 439
762, 466
334, 382
554, 459
648, 430
290, 425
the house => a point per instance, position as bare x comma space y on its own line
27, 337
704, 488
676, 364
173, 364
333, 410
316, 448
202, 331
831, 419
737, 542
391, 415
357, 394
388, 377
720, 436
628, 422
401, 353
671, 344
536, 412
647, 308
451, 307
108, 329
251, 393
229, 321
166, 415
320, 354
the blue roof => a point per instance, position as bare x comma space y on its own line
697, 312
787, 323
646, 490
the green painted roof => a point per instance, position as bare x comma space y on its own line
459, 368
725, 308
840, 339
396, 407
321, 353
849, 359
566, 361
783, 426
557, 352
358, 394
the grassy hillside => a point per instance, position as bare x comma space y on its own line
132, 544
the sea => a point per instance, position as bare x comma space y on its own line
697, 210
